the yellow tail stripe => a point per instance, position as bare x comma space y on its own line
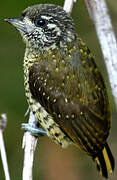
107, 161
99, 165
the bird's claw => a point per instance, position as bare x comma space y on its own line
33, 130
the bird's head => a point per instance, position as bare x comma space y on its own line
45, 26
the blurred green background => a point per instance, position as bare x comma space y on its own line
51, 162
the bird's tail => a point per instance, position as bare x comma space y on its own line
104, 161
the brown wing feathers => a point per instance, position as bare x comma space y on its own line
79, 123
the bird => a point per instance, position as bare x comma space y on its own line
63, 85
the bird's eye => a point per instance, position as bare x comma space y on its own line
40, 22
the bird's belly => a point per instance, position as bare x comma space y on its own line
47, 122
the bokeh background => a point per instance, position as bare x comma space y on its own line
51, 162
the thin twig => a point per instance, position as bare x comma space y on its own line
68, 5
3, 124
99, 14
29, 145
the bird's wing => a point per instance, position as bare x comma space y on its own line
74, 94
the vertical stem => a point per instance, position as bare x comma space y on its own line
3, 156
3, 124
99, 14
68, 5
29, 145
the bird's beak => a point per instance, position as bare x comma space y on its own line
18, 23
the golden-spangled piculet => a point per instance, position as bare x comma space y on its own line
63, 85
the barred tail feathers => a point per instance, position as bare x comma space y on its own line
105, 161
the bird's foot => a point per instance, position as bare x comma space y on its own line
35, 131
